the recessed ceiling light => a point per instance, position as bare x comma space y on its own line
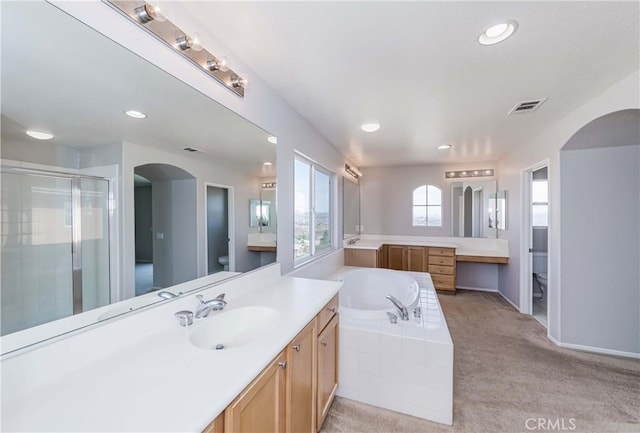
40, 135
444, 146
273, 140
498, 33
267, 163
135, 114
370, 127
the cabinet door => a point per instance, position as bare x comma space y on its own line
417, 259
327, 368
382, 256
261, 406
301, 381
216, 426
396, 257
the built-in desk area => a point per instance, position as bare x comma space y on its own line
438, 256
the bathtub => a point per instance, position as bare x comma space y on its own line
407, 366
364, 291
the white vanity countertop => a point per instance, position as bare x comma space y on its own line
483, 247
153, 379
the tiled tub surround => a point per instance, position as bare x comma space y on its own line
406, 367
141, 373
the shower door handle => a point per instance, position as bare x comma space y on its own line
530, 250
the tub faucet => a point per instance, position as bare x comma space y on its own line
205, 307
402, 310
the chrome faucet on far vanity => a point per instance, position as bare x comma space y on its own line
205, 307
402, 310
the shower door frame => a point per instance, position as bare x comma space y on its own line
15, 167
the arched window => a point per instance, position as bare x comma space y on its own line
427, 206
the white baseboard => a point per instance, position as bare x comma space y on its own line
509, 301
477, 289
594, 349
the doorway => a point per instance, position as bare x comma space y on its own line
537, 241
143, 200
166, 220
219, 256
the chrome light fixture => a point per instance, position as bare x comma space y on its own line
150, 18
469, 173
268, 185
353, 171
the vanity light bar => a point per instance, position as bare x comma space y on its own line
353, 171
268, 185
469, 173
144, 15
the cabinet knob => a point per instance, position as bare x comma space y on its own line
332, 309
283, 364
296, 347
324, 343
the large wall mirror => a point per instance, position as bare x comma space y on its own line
350, 208
113, 209
473, 209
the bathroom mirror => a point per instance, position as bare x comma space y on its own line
260, 213
472, 209
350, 208
60, 76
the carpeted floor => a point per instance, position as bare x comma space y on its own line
507, 376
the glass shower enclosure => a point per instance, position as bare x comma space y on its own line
55, 246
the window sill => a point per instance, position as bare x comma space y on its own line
311, 259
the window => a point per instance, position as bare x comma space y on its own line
312, 204
540, 203
427, 206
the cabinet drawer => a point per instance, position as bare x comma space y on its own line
443, 270
443, 282
449, 252
326, 314
441, 260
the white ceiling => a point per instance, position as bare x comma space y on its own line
417, 68
60, 76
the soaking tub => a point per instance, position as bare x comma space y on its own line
406, 366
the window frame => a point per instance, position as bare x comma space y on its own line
540, 203
427, 206
314, 253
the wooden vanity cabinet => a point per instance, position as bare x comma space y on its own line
442, 267
294, 392
396, 257
302, 381
327, 368
260, 408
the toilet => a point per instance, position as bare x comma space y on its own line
224, 261
541, 278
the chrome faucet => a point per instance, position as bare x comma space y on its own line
168, 295
402, 310
205, 307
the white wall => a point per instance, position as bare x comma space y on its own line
600, 299
261, 105
546, 145
386, 195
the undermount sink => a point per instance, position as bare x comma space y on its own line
234, 328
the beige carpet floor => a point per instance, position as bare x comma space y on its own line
507, 372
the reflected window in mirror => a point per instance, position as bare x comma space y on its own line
427, 206
312, 207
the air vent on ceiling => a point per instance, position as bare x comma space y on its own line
192, 149
526, 106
